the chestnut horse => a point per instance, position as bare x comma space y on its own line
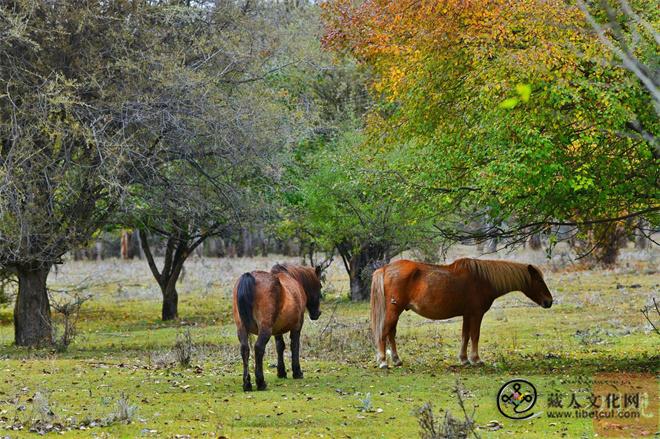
465, 288
273, 303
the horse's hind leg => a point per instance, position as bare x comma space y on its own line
389, 333
382, 343
295, 354
245, 355
279, 344
396, 361
259, 349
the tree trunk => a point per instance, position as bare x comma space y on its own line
125, 243
491, 245
32, 325
99, 250
608, 239
642, 242
177, 251
360, 273
535, 241
170, 303
359, 286
263, 242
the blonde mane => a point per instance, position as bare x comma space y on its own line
504, 276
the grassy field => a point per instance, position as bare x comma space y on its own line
122, 365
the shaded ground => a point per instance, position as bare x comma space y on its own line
123, 349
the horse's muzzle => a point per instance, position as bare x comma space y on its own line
547, 303
315, 316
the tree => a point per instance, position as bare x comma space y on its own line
511, 114
339, 200
226, 150
90, 105
186, 209
331, 200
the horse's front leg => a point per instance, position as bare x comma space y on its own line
465, 338
259, 349
281, 368
295, 354
475, 328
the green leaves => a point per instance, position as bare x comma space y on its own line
461, 83
509, 103
524, 91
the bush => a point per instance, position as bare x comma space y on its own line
184, 348
450, 427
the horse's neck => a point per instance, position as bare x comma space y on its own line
298, 278
509, 289
497, 293
512, 282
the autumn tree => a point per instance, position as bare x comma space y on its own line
331, 198
512, 115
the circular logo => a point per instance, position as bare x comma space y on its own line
516, 399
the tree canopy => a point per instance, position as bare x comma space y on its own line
512, 114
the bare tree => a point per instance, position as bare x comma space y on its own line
95, 101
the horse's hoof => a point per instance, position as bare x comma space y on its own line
477, 362
247, 387
397, 362
464, 361
298, 375
383, 365
281, 374
261, 386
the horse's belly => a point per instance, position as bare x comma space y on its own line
289, 319
437, 313
435, 308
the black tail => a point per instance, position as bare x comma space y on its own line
245, 298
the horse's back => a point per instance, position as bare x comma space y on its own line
403, 271
400, 269
433, 291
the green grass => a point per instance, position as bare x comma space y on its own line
593, 328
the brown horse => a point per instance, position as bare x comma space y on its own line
273, 303
465, 288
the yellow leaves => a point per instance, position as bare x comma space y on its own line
524, 91
575, 146
57, 144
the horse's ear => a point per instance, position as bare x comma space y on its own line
534, 271
323, 266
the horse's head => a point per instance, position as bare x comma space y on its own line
537, 290
313, 291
